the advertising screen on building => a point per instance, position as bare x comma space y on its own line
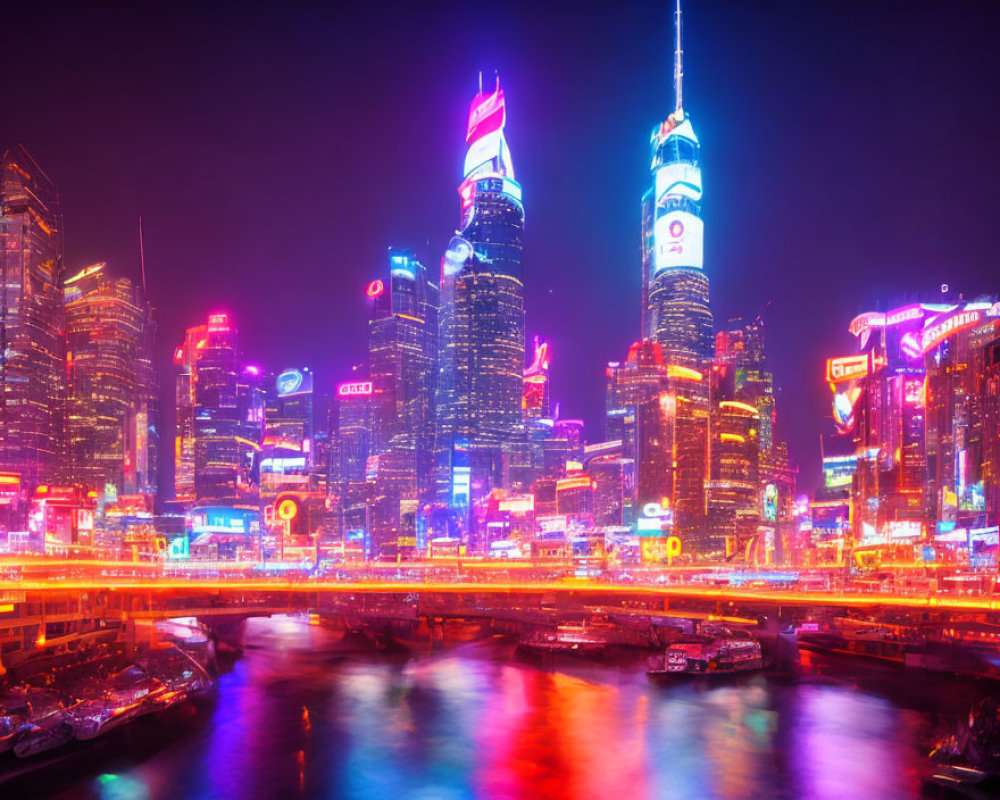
293, 381
677, 239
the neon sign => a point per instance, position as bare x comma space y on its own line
578, 482
375, 288
357, 389
683, 373
845, 368
939, 331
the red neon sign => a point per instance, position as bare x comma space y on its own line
358, 389
375, 288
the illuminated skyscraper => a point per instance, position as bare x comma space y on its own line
402, 361
659, 412
220, 417
286, 459
111, 431
482, 312
675, 310
32, 346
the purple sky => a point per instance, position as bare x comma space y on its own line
275, 151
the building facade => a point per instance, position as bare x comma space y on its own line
32, 344
111, 419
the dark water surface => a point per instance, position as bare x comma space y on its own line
299, 716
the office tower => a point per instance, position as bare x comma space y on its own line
287, 452
110, 430
675, 310
482, 312
32, 344
220, 417
402, 360
659, 412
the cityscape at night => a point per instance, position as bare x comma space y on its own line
519, 401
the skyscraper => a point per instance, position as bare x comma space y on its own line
675, 310
220, 417
32, 347
402, 360
482, 311
111, 396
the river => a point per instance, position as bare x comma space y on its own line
299, 715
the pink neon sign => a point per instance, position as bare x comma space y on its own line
357, 389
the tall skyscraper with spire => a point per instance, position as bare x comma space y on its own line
482, 314
675, 310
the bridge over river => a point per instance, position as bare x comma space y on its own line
37, 612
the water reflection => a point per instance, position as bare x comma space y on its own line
299, 716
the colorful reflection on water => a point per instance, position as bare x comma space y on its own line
299, 717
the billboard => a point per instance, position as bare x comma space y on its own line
677, 241
293, 381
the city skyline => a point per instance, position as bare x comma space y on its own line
799, 334
340, 458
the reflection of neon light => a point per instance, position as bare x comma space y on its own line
360, 388
684, 373
736, 404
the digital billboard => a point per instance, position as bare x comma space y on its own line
677, 241
293, 381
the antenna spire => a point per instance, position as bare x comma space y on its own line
678, 63
480, 81
142, 259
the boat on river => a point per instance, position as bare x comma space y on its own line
711, 653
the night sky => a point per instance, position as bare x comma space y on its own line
849, 151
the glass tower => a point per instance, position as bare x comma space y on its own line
32, 346
674, 287
111, 397
482, 314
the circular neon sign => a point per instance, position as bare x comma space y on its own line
288, 509
375, 288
